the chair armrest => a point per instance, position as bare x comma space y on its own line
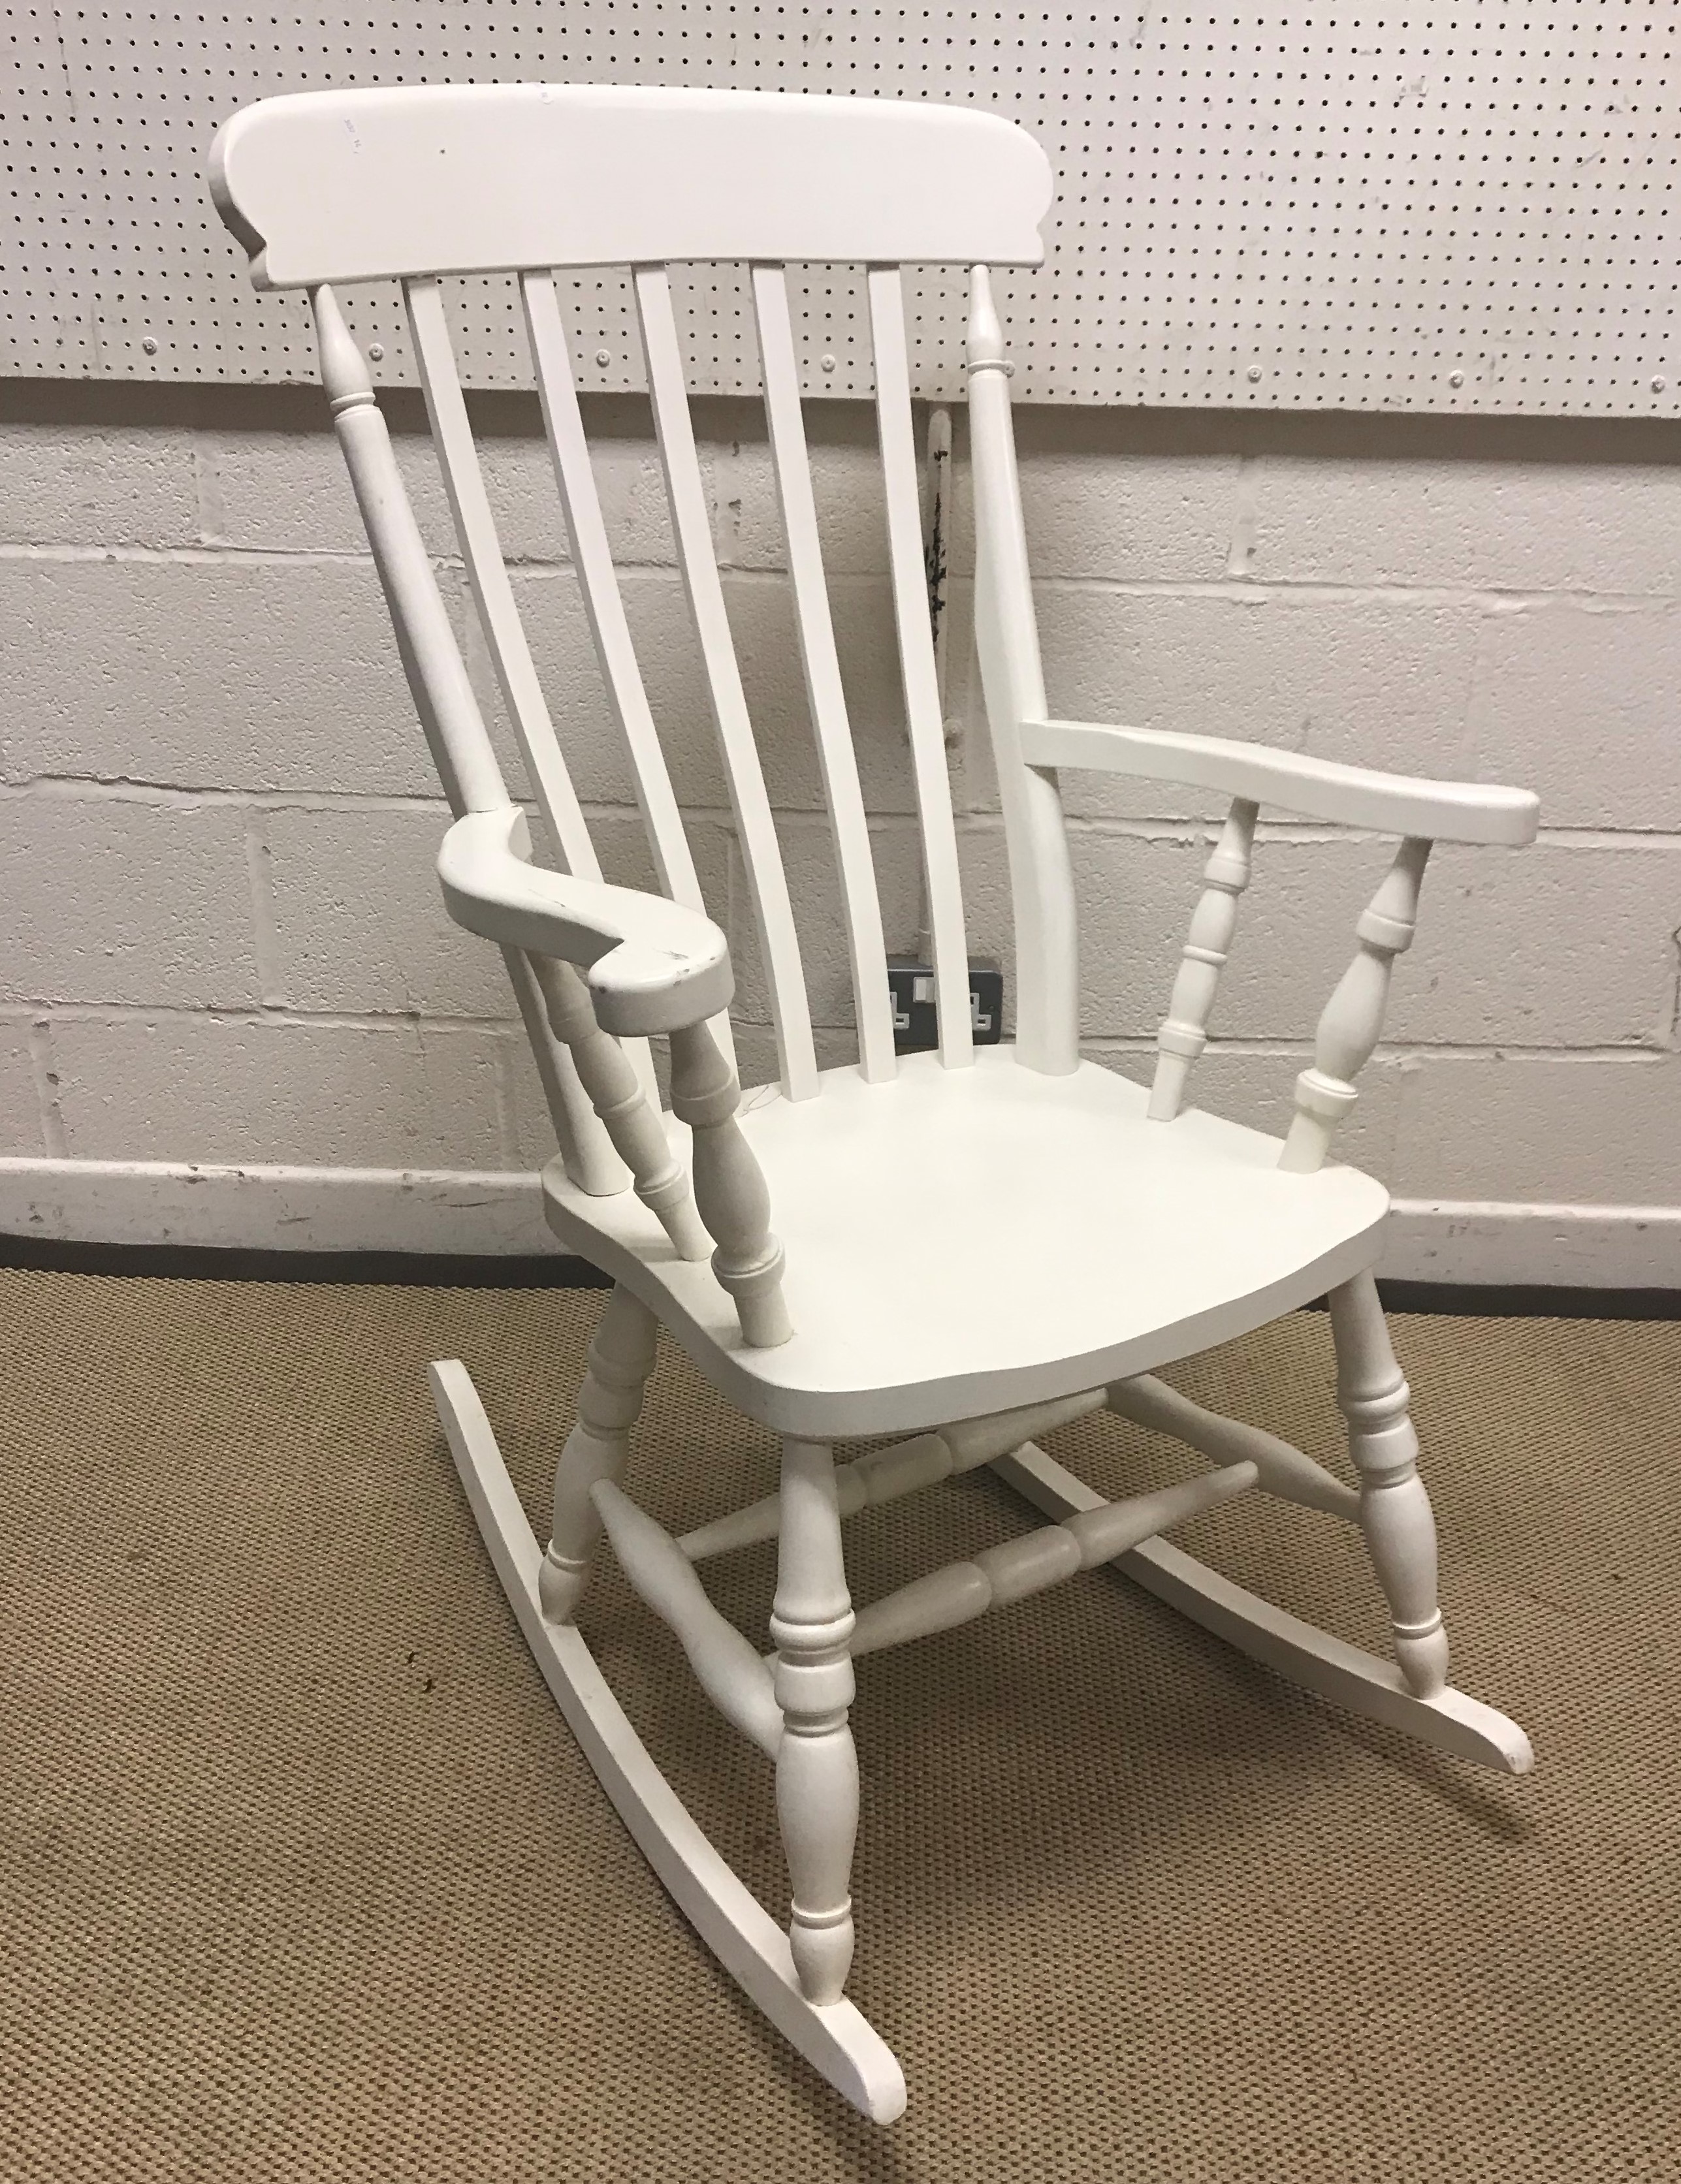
1433, 811
650, 965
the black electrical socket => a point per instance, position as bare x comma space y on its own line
916, 1027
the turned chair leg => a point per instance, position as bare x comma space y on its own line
1394, 1508
817, 1767
609, 1403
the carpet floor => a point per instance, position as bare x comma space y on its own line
302, 1876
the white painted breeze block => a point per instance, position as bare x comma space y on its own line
360, 1094
21, 1130
204, 712
167, 919
82, 485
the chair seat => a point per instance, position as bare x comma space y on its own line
964, 1241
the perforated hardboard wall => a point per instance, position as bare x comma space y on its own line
1337, 203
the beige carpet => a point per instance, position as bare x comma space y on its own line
301, 1875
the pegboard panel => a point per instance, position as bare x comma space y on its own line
1299, 204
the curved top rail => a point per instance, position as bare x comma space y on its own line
362, 185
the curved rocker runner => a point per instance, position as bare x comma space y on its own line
1058, 1232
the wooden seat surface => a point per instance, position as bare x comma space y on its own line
966, 1240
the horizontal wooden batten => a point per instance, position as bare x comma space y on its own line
1000, 1576
886, 1473
255, 1204
1283, 1471
727, 1669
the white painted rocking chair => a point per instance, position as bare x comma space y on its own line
1116, 1230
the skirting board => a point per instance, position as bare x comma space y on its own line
303, 1209
1561, 1246
326, 1209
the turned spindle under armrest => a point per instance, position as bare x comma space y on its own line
729, 1187
1353, 1020
1184, 1030
1422, 812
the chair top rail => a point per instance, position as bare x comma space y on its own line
861, 902
476, 528
920, 678
369, 184
761, 852
1321, 788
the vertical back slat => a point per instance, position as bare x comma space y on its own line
916, 659
476, 529
503, 631
761, 852
604, 603
860, 902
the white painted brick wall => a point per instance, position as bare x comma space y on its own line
126, 899
20, 1127
358, 922
1605, 1123
1326, 675
217, 824
206, 670
353, 1094
286, 492
1584, 690
1518, 526
77, 485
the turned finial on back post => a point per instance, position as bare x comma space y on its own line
986, 336
1349, 1028
344, 370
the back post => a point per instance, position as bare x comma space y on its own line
1006, 641
449, 711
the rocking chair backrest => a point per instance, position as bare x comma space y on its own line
413, 185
